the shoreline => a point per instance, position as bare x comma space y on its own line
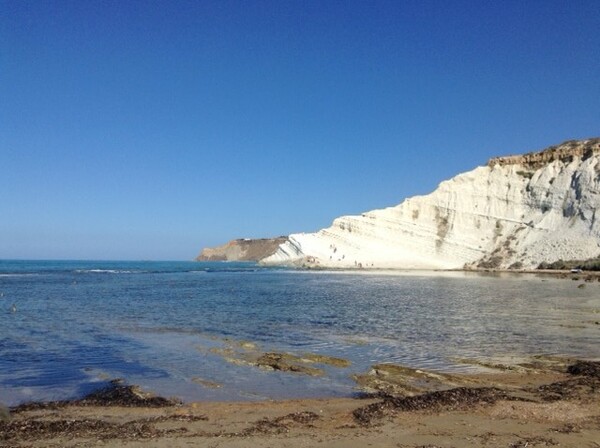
560, 273
556, 273
550, 403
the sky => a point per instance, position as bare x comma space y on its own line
146, 130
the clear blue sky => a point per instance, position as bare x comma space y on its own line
147, 129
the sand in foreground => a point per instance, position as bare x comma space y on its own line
545, 408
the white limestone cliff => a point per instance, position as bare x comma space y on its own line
517, 212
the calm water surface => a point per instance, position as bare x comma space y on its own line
78, 324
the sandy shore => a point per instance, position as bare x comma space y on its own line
537, 405
557, 273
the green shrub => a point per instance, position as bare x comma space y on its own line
591, 264
526, 174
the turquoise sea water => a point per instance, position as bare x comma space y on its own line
164, 325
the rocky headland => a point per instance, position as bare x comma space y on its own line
516, 212
242, 250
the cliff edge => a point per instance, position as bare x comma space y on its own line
515, 212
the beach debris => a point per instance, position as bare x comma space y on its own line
526, 442
115, 394
585, 368
568, 428
570, 389
282, 424
41, 428
452, 399
38, 429
585, 383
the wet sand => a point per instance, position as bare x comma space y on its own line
587, 276
543, 403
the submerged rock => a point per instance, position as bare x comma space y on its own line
286, 363
328, 360
397, 380
246, 353
207, 383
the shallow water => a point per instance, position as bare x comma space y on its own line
78, 324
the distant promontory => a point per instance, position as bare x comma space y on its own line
242, 250
516, 212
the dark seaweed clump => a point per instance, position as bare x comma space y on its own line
585, 368
122, 395
584, 384
40, 429
458, 398
115, 394
282, 424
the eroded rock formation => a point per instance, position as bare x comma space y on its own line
516, 211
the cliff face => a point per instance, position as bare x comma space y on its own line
242, 250
516, 211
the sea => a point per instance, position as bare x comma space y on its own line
182, 329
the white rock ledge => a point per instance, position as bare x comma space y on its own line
515, 212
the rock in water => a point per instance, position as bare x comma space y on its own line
516, 211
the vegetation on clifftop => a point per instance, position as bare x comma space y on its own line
591, 264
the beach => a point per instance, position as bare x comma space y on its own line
236, 355
538, 404
299, 224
